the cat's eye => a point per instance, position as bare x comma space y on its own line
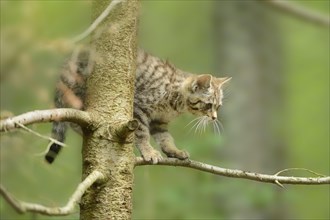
208, 106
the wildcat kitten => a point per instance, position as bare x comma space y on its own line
162, 92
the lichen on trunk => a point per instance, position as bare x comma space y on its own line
109, 100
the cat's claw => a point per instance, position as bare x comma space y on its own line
153, 155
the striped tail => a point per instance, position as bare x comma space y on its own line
58, 133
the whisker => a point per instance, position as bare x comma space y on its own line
199, 124
195, 124
192, 121
221, 126
206, 122
227, 92
217, 127
202, 127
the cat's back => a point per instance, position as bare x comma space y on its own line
154, 78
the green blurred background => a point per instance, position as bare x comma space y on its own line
237, 38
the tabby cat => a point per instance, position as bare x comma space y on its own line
162, 92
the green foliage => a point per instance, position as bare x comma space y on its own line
32, 34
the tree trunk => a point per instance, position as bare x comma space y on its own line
248, 47
109, 100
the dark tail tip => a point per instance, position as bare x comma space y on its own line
52, 153
49, 159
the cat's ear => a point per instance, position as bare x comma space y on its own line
223, 80
201, 82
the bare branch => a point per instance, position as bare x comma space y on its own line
299, 12
295, 168
97, 21
23, 207
61, 114
52, 140
279, 180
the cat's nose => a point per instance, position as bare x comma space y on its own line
214, 115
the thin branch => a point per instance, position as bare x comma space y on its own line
94, 25
61, 114
303, 169
46, 150
279, 180
299, 12
52, 140
23, 207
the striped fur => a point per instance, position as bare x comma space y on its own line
162, 92
69, 93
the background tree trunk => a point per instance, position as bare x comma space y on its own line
110, 102
249, 49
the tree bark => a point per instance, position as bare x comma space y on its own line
109, 101
248, 48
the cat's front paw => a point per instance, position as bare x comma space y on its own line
182, 155
176, 153
152, 155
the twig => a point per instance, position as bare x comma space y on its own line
45, 151
23, 207
304, 169
238, 173
299, 12
94, 25
61, 114
40, 135
288, 169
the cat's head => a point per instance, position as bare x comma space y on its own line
204, 95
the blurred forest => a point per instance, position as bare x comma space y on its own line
276, 113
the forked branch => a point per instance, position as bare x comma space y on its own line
69, 208
61, 114
276, 179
